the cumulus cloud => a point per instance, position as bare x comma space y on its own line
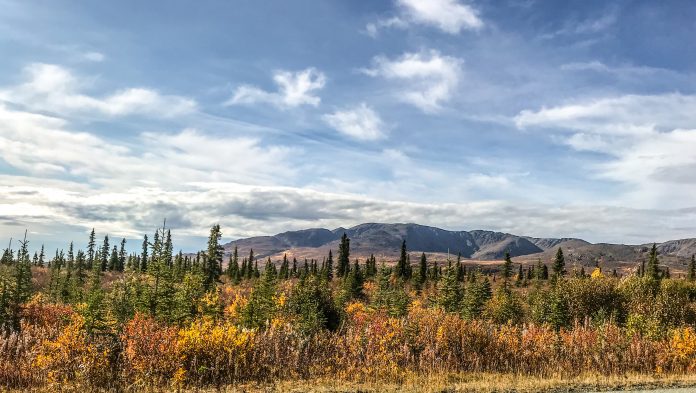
294, 89
427, 79
360, 122
450, 16
53, 88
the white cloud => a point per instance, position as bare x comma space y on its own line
294, 89
45, 146
245, 210
428, 79
450, 16
648, 141
360, 122
96, 57
55, 89
587, 26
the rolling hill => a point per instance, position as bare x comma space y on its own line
384, 241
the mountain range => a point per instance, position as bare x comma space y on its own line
384, 241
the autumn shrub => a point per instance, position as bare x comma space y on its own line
214, 352
74, 357
150, 353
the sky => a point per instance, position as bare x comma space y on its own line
539, 118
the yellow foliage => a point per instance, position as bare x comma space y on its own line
597, 273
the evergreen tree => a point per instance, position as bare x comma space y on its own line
422, 276
353, 284
80, 271
461, 269
169, 250
42, 256
520, 276
559, 264
477, 294
8, 255
328, 268
91, 249
284, 268
113, 259
243, 269
233, 267
435, 272
122, 256
270, 268
261, 307
213, 263
691, 271
653, 269
401, 267
450, 291
94, 312
539, 270
507, 271
294, 273
343, 256
311, 302
143, 255
250, 269
21, 290
104, 254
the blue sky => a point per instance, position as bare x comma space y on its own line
541, 118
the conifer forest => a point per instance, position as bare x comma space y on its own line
94, 316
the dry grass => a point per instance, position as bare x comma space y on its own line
468, 382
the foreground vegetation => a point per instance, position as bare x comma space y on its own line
102, 319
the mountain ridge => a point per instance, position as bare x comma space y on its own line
385, 240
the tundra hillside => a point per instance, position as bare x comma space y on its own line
101, 319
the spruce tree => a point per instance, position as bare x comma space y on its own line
450, 290
122, 256
250, 268
520, 276
284, 273
422, 276
42, 256
401, 267
212, 268
653, 269
507, 271
143, 255
113, 259
691, 273
353, 284
22, 284
559, 264
91, 249
261, 307
477, 294
328, 268
104, 255
343, 256
168, 250
94, 312
233, 267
